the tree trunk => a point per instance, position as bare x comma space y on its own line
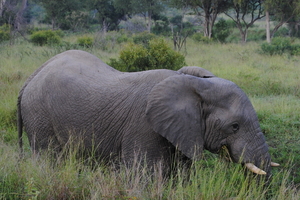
104, 27
244, 37
268, 36
243, 34
207, 32
53, 23
19, 15
149, 21
2, 3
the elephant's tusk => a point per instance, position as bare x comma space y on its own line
273, 164
255, 169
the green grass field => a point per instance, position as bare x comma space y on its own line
271, 82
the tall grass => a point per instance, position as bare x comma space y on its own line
35, 177
271, 82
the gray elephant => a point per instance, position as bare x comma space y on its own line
151, 114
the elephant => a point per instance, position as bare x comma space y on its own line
150, 114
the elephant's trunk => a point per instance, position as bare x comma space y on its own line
260, 164
253, 154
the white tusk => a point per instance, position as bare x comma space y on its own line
255, 169
273, 164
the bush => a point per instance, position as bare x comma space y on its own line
278, 46
85, 41
282, 32
157, 54
4, 36
122, 38
143, 38
4, 32
199, 37
162, 56
295, 49
256, 35
221, 30
133, 57
45, 37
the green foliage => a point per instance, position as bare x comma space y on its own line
156, 54
256, 34
221, 30
199, 37
161, 26
69, 178
4, 32
45, 37
181, 27
280, 45
133, 57
162, 56
281, 32
143, 38
277, 123
122, 38
67, 13
85, 41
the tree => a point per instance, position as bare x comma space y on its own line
108, 14
282, 12
19, 20
2, 4
12, 11
209, 9
57, 10
148, 8
244, 13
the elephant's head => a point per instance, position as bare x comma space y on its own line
196, 113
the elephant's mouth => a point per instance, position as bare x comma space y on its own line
224, 152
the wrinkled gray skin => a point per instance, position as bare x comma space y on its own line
150, 113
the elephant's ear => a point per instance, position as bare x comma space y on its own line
196, 71
174, 111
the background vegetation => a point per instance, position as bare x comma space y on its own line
272, 83
268, 72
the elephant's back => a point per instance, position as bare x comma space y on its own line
75, 63
66, 72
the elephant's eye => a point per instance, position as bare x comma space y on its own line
235, 127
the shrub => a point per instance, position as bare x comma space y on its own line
157, 54
282, 32
256, 35
143, 38
199, 37
295, 49
133, 57
4, 32
163, 56
85, 41
4, 36
122, 38
279, 45
221, 30
45, 37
